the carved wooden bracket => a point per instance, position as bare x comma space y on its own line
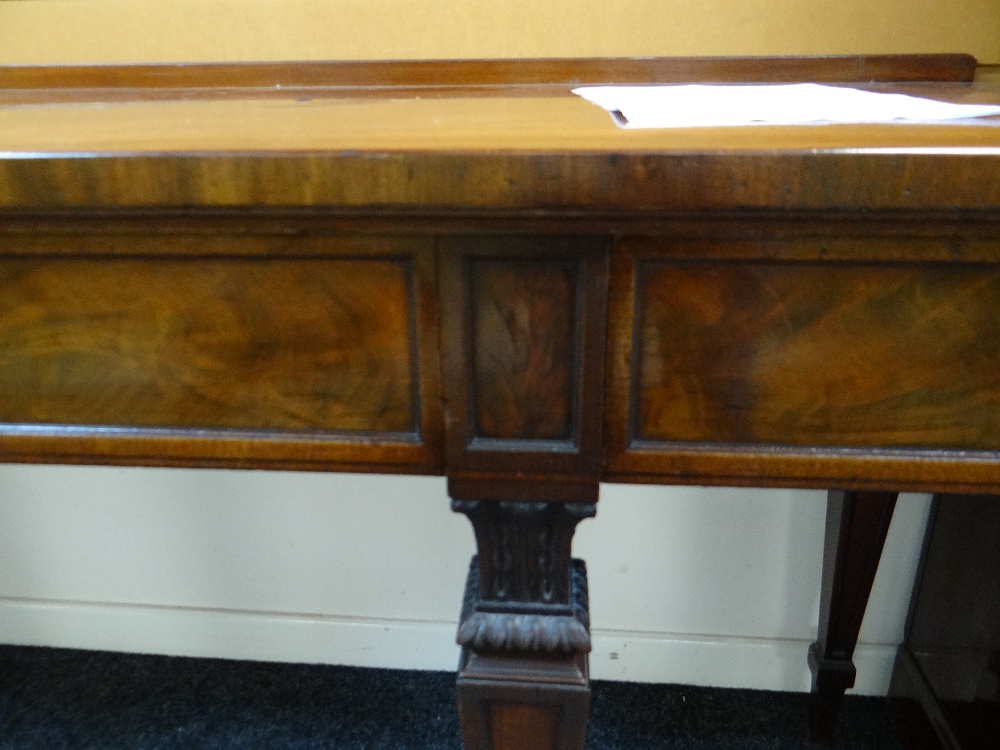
524, 592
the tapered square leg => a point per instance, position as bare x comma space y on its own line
856, 527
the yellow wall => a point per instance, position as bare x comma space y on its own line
74, 31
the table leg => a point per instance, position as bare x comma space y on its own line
856, 527
523, 680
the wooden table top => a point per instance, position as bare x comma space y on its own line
118, 170
520, 118
485, 145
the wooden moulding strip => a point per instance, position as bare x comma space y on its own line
784, 466
962, 179
409, 73
236, 449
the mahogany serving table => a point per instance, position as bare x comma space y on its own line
462, 268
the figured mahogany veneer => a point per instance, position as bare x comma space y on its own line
462, 268
524, 344
804, 354
808, 356
216, 347
194, 348
525, 320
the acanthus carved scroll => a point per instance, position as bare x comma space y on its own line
524, 592
521, 631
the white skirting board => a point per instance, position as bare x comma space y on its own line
755, 663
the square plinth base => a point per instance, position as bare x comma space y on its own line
510, 701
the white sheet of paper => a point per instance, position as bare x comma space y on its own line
707, 105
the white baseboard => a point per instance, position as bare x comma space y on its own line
681, 658
228, 634
711, 661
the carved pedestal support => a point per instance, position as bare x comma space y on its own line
856, 527
523, 680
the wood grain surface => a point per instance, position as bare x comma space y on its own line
523, 71
524, 317
514, 723
549, 118
523, 339
806, 360
202, 343
903, 356
891, 177
360, 137
323, 345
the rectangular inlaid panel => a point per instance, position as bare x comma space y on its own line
524, 348
286, 344
522, 337
813, 354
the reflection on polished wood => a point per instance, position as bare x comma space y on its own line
809, 354
409, 268
208, 343
523, 336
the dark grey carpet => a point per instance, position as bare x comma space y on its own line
56, 699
